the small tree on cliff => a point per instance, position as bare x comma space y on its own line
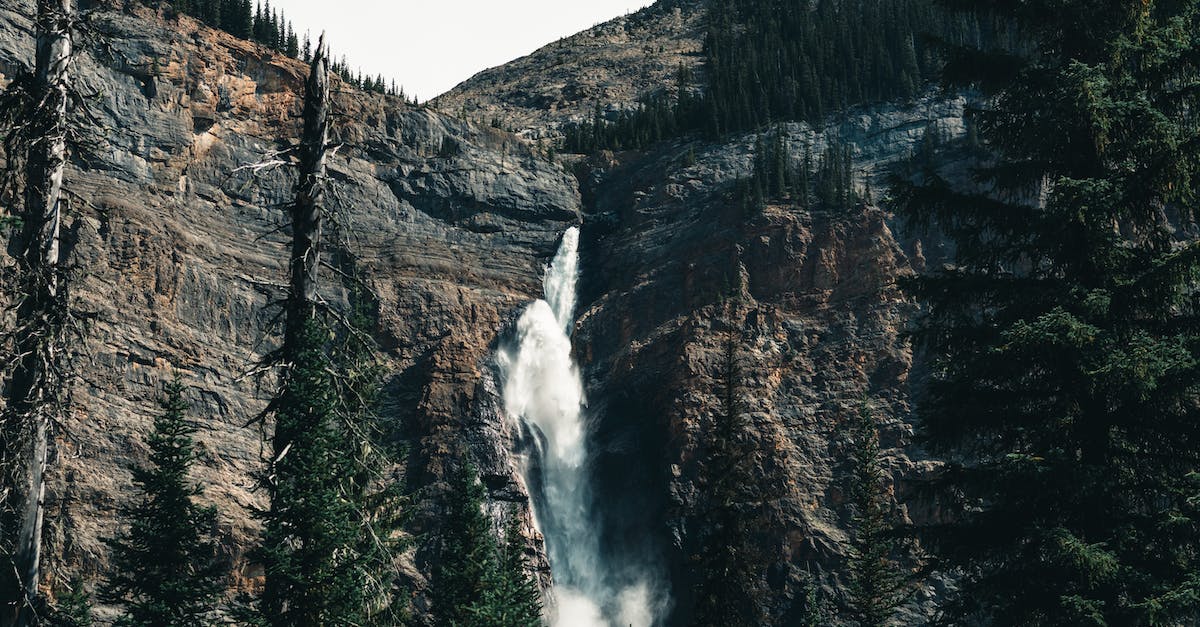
165, 570
877, 583
511, 597
72, 607
730, 566
478, 582
466, 562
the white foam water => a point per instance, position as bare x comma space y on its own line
542, 387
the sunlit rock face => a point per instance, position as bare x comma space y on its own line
179, 256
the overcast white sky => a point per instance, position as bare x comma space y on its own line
429, 46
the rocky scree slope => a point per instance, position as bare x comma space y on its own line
178, 255
612, 64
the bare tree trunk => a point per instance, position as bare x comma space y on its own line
30, 395
307, 211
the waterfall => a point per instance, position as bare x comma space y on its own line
542, 388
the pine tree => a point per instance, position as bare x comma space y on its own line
292, 44
314, 572
876, 585
811, 611
467, 557
511, 597
243, 24
72, 608
1063, 337
260, 24
331, 529
165, 570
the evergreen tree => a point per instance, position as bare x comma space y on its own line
466, 563
876, 584
165, 570
770, 61
330, 532
243, 22
1063, 338
260, 24
315, 572
511, 597
811, 611
292, 43
73, 608
730, 567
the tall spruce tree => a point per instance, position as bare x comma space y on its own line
315, 571
331, 532
876, 583
1063, 338
466, 562
165, 569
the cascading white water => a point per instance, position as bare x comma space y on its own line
542, 388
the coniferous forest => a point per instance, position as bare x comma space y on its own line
771, 61
1034, 460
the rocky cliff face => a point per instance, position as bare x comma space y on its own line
179, 256
672, 264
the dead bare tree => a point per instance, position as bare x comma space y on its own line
307, 210
34, 388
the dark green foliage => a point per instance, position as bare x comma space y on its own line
658, 116
812, 612
511, 597
776, 60
728, 561
779, 178
834, 178
165, 570
1064, 340
328, 546
477, 581
72, 608
877, 584
466, 559
770, 61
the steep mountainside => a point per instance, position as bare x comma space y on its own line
671, 263
179, 255
612, 65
